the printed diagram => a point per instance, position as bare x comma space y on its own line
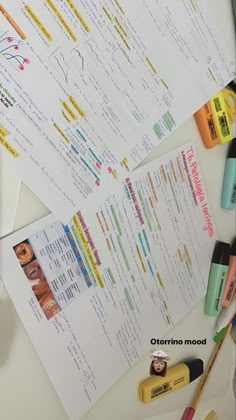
60, 65
78, 58
10, 49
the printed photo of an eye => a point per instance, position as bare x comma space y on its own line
24, 252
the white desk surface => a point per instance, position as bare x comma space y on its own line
25, 390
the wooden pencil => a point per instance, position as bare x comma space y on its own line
189, 411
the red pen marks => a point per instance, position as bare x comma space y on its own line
104, 219
152, 186
163, 173
180, 255
180, 169
155, 215
187, 254
100, 222
173, 170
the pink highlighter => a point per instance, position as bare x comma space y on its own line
230, 284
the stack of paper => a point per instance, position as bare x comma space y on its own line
87, 91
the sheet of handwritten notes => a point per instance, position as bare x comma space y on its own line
89, 88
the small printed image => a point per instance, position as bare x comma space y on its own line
158, 365
37, 279
24, 252
49, 305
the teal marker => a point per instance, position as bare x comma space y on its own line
217, 277
228, 197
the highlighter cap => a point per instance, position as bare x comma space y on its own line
221, 253
233, 248
217, 338
211, 416
195, 368
232, 150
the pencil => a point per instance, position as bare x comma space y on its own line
190, 411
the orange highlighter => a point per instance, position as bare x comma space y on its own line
206, 126
230, 284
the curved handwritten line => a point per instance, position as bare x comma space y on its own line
63, 58
82, 58
63, 71
92, 40
4, 33
94, 52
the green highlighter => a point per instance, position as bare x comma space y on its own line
217, 277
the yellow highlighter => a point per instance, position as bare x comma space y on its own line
206, 126
221, 118
211, 416
177, 376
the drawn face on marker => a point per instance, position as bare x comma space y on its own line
158, 365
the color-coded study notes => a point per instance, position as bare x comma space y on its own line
114, 82
100, 279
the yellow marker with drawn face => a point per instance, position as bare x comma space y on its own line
177, 376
